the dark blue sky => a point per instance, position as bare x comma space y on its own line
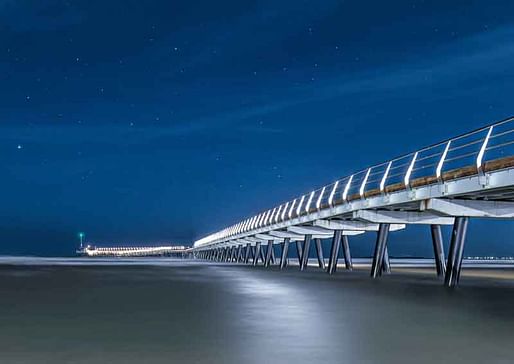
148, 121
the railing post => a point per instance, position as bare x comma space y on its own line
363, 184
406, 179
439, 169
481, 153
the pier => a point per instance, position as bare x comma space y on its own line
447, 183
133, 251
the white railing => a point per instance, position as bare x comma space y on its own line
432, 164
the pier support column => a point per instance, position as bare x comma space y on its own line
437, 241
285, 249
252, 253
380, 248
239, 253
319, 253
247, 253
272, 255
305, 253
261, 255
455, 254
257, 252
346, 253
334, 252
268, 253
299, 252
386, 265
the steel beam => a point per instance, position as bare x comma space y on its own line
285, 249
346, 253
286, 234
257, 252
299, 251
456, 251
247, 253
401, 217
380, 248
305, 253
351, 225
386, 265
319, 253
268, 253
471, 208
267, 237
437, 242
334, 252
309, 230
261, 255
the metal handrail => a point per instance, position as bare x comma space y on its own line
357, 183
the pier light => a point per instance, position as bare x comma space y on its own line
81, 237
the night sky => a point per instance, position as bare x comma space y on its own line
158, 121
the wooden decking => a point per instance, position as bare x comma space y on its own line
494, 165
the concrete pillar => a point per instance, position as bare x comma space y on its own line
380, 248
285, 249
437, 242
319, 253
257, 252
455, 254
305, 253
272, 255
334, 252
268, 253
346, 253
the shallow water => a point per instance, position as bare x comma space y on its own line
188, 312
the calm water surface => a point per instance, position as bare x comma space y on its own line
185, 312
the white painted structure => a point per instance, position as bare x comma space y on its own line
471, 175
131, 251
